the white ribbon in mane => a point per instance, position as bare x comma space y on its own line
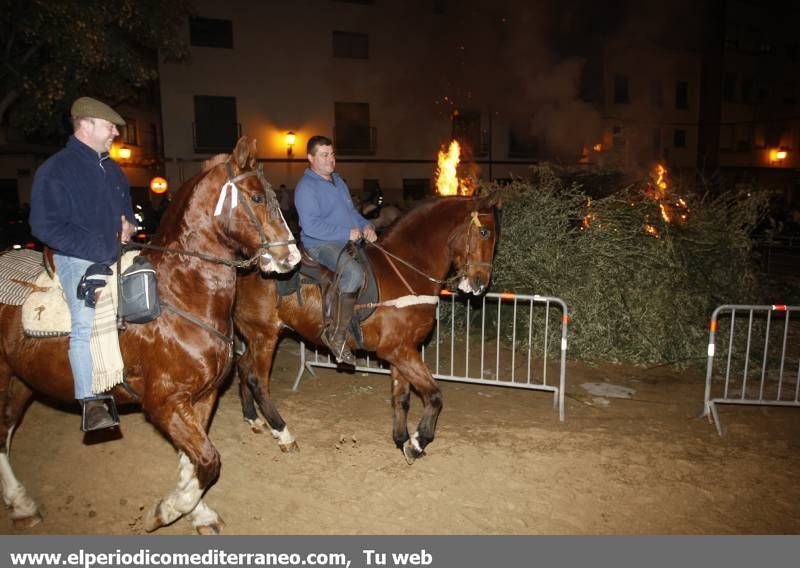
223, 194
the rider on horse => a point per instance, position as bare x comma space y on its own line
328, 220
81, 208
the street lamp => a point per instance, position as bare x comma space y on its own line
124, 153
291, 138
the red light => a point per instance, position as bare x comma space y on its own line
779, 307
30, 245
141, 236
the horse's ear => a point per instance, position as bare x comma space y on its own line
241, 154
253, 152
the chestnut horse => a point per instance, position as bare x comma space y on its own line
420, 249
174, 364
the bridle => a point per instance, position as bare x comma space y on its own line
272, 207
274, 212
472, 221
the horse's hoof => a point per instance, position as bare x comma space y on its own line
211, 529
152, 520
257, 426
411, 453
28, 522
289, 448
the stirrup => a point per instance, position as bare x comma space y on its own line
343, 354
111, 421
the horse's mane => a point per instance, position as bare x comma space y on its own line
213, 161
422, 214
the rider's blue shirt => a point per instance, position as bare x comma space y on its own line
325, 209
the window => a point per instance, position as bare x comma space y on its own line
467, 130
618, 139
416, 189
521, 143
152, 139
656, 143
352, 131
747, 91
216, 128
726, 137
682, 94
621, 95
656, 94
130, 133
743, 134
729, 88
350, 45
679, 138
760, 136
206, 32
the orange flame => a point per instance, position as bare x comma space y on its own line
447, 182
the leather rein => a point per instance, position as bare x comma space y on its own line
473, 220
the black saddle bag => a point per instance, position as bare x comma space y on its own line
138, 293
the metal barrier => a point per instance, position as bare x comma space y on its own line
507, 351
765, 378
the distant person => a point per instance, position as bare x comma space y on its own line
81, 208
328, 221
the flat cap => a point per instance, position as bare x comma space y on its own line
86, 107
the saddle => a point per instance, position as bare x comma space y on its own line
311, 272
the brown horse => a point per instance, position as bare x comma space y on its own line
422, 247
174, 364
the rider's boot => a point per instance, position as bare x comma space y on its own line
335, 335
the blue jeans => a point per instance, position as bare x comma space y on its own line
351, 274
70, 270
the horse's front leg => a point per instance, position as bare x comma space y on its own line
254, 367
401, 395
199, 464
413, 368
14, 397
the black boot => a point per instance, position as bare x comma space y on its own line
98, 413
335, 335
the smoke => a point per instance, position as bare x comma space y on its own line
560, 119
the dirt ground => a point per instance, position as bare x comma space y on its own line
502, 463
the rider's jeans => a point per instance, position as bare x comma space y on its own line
70, 270
350, 271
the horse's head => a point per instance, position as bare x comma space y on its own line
472, 246
253, 216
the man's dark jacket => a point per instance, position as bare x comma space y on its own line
77, 202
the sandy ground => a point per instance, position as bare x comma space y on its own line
502, 463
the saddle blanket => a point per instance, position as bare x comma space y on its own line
45, 312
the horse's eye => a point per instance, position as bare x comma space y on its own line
484, 233
258, 198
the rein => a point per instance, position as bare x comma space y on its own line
462, 271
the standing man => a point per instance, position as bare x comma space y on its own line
81, 208
328, 221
